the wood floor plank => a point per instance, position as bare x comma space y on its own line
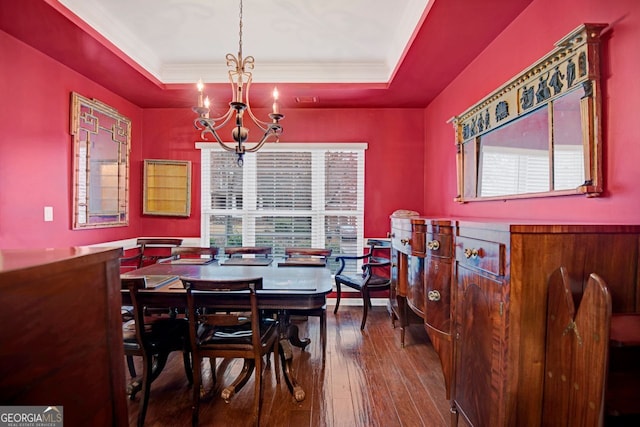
365, 379
418, 398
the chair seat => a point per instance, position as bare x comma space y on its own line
367, 281
357, 282
211, 336
163, 334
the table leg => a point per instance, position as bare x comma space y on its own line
294, 337
286, 358
289, 337
290, 331
238, 383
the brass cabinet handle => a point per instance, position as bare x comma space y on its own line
433, 245
433, 296
404, 241
471, 253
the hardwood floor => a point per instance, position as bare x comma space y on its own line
367, 379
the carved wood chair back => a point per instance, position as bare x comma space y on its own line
217, 329
239, 251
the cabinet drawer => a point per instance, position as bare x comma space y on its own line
481, 254
400, 239
437, 294
439, 245
418, 231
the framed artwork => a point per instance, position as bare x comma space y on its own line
167, 188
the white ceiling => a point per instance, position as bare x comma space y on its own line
293, 41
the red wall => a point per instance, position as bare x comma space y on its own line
402, 171
36, 151
529, 37
392, 172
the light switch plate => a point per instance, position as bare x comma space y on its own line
48, 213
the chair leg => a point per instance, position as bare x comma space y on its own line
335, 310
366, 304
257, 395
197, 384
276, 360
323, 331
146, 388
188, 369
131, 366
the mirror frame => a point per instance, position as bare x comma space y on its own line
90, 118
572, 63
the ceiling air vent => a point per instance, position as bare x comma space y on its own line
306, 99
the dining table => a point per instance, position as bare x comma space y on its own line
285, 287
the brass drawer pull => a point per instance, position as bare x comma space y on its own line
433, 296
404, 241
433, 245
471, 253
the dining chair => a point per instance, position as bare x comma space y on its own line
155, 248
131, 259
239, 251
217, 329
307, 256
310, 257
191, 252
159, 336
576, 351
367, 281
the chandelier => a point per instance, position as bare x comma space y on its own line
240, 78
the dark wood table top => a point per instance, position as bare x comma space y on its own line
283, 287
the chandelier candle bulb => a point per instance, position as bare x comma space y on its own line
200, 89
207, 103
275, 101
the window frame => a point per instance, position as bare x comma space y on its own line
318, 212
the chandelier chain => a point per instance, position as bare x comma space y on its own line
240, 35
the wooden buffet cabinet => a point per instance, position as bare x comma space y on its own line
61, 333
483, 301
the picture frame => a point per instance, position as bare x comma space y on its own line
167, 188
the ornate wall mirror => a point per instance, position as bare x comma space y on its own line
539, 134
101, 145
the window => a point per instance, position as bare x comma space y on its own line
305, 195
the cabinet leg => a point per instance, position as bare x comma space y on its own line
454, 415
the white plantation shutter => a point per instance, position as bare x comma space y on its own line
568, 166
305, 195
508, 170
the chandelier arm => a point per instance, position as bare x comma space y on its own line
208, 128
225, 119
262, 125
274, 130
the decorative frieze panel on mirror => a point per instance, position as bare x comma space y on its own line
539, 134
101, 146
